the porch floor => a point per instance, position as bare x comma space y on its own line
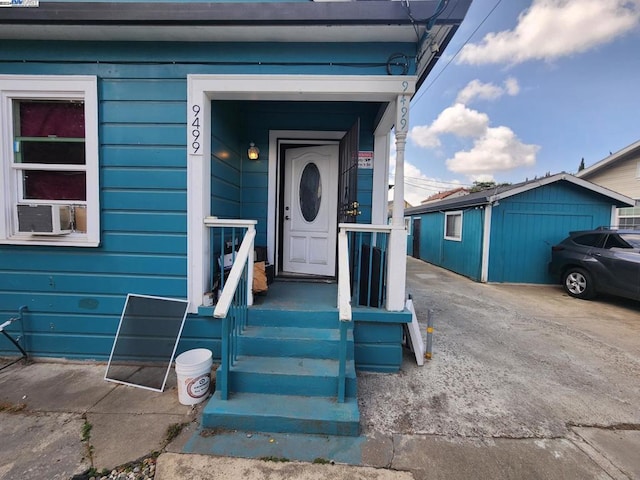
298, 295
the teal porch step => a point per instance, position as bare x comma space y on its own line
285, 377
271, 317
293, 342
255, 412
294, 376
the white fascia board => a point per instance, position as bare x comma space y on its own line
305, 88
609, 160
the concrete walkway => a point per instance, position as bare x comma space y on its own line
46, 408
525, 383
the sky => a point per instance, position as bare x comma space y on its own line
526, 88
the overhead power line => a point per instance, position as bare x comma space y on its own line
416, 100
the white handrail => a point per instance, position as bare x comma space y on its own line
229, 290
344, 283
228, 222
365, 227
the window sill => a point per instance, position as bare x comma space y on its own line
51, 241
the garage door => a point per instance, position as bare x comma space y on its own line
523, 250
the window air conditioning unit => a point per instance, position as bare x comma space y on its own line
45, 219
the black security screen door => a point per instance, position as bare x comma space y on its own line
348, 180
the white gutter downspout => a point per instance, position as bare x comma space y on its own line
486, 243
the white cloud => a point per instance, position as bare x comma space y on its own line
418, 186
511, 86
498, 149
551, 29
457, 119
494, 149
487, 91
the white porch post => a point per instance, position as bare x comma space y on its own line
199, 193
396, 273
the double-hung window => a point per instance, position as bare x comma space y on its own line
453, 226
49, 160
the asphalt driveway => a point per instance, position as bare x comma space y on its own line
510, 361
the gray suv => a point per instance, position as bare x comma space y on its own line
598, 261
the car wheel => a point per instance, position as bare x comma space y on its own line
577, 283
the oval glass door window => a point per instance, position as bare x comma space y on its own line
310, 192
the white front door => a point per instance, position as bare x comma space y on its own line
310, 210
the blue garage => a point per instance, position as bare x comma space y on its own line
505, 234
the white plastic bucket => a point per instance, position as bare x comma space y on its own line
193, 369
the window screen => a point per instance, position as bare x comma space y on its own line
147, 338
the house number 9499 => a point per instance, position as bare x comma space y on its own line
195, 129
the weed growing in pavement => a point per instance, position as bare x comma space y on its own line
12, 407
86, 438
173, 431
274, 459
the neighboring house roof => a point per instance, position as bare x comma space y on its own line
456, 192
492, 195
609, 161
423, 23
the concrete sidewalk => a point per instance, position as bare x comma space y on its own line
58, 420
61, 419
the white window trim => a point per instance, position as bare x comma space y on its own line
63, 87
451, 214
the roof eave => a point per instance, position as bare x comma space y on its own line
618, 197
464, 202
373, 12
605, 162
448, 205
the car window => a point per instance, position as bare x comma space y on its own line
614, 241
590, 239
632, 239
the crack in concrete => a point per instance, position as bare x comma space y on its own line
615, 426
393, 452
606, 465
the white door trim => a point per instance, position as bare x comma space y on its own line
276, 137
309, 245
202, 89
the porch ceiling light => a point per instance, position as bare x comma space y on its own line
253, 153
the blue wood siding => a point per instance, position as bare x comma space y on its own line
225, 161
76, 295
463, 257
525, 226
